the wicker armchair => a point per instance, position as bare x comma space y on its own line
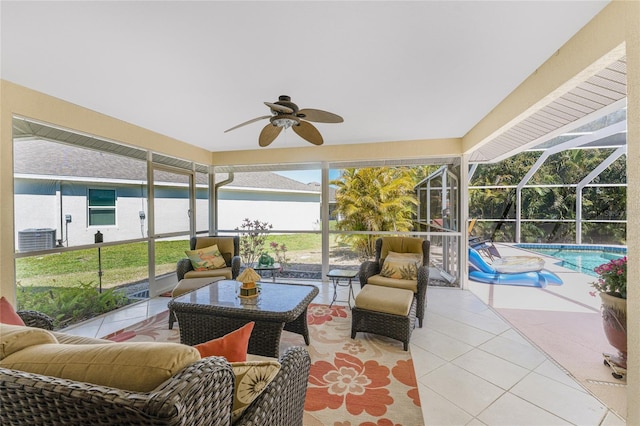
36, 319
200, 394
184, 266
371, 268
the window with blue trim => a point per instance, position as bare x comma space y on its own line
102, 207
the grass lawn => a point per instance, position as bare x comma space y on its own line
120, 265
128, 263
77, 272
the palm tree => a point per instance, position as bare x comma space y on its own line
374, 199
565, 168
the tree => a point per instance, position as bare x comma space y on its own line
565, 168
374, 199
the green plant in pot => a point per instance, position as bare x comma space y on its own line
265, 260
612, 287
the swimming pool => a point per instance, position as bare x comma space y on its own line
578, 257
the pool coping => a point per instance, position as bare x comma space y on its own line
577, 247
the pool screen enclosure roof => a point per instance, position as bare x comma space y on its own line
596, 96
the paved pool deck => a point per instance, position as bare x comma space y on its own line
564, 321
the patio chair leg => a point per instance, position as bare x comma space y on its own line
172, 319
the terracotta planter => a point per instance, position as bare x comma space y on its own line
614, 321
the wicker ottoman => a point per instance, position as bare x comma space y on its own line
385, 311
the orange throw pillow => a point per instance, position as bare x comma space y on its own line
232, 346
8, 314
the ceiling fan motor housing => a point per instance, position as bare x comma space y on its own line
285, 101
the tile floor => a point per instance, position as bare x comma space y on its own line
473, 368
563, 321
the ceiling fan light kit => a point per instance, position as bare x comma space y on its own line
285, 114
286, 122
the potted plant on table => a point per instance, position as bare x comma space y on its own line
280, 251
612, 287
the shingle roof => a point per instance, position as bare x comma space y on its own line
39, 157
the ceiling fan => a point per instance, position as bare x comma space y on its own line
285, 114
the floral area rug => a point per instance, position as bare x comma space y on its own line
366, 381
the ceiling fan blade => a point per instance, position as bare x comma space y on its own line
308, 132
279, 108
319, 116
268, 134
248, 122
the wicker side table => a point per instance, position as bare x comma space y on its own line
345, 274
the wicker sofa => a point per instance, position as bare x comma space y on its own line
200, 394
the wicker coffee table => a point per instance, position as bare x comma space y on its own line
215, 310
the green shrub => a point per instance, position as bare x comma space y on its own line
70, 305
280, 251
253, 237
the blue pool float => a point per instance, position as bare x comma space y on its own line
481, 271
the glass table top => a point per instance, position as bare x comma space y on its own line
273, 297
342, 273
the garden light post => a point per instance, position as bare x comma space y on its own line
97, 238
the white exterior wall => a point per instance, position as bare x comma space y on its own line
35, 212
43, 211
202, 215
285, 215
172, 215
285, 211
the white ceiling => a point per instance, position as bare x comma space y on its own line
190, 70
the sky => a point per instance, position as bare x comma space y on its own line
306, 176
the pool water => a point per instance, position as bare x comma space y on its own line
578, 258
